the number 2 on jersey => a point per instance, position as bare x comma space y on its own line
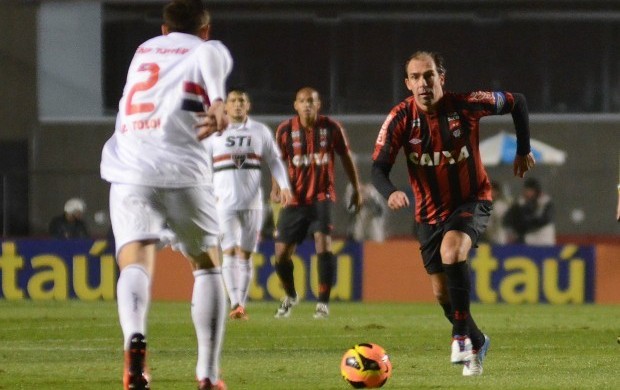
142, 86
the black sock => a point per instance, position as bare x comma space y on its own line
327, 269
475, 334
284, 269
459, 285
447, 311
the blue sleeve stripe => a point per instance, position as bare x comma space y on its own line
500, 101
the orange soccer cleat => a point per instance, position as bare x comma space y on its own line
134, 375
238, 313
205, 384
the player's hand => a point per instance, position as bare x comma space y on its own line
274, 195
356, 201
398, 200
213, 121
618, 211
286, 197
523, 164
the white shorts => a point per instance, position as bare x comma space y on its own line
149, 213
240, 228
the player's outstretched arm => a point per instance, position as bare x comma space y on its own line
523, 164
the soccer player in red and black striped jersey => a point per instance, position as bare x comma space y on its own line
308, 143
439, 133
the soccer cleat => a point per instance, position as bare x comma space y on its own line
322, 311
134, 376
473, 366
238, 313
205, 384
285, 308
461, 349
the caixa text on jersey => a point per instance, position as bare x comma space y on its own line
300, 160
437, 158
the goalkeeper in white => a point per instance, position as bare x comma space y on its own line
237, 156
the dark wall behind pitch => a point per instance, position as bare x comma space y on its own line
63, 157
18, 113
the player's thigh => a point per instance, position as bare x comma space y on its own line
293, 224
192, 216
321, 219
430, 237
471, 218
230, 228
251, 221
136, 214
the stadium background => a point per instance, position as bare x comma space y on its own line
63, 63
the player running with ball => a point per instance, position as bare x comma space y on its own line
439, 132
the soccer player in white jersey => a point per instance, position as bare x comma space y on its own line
237, 156
160, 177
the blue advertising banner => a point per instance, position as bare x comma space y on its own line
524, 274
348, 279
87, 270
58, 270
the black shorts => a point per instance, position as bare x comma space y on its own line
470, 218
296, 222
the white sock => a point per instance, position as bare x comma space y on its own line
208, 315
245, 271
229, 274
133, 292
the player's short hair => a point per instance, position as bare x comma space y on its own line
186, 16
309, 89
239, 89
436, 57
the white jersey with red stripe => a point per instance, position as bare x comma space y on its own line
237, 155
171, 78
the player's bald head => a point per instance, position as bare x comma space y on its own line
307, 91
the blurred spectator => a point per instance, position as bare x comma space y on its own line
530, 218
369, 222
496, 232
70, 224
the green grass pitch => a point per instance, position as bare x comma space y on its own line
77, 345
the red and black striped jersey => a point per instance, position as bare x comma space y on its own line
309, 155
441, 149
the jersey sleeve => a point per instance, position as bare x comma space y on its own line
215, 65
280, 141
341, 142
484, 103
389, 140
207, 143
273, 157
